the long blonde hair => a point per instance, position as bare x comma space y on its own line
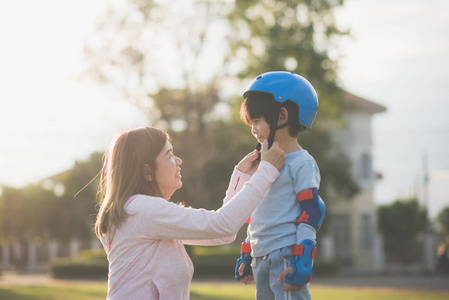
124, 174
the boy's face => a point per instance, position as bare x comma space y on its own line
260, 129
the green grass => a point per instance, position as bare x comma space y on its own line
72, 292
211, 291
222, 291
322, 293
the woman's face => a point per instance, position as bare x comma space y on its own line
168, 172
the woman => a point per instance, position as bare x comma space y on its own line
143, 232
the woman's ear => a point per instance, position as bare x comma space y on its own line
283, 116
148, 176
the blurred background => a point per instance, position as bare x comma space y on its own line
74, 74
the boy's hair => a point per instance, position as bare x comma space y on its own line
262, 104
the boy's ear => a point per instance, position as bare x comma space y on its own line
283, 116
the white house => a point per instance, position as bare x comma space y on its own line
353, 237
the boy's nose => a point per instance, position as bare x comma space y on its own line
179, 161
253, 129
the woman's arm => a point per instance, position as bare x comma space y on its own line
238, 179
160, 219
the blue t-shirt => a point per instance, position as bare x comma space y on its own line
274, 223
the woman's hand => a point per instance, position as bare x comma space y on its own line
249, 163
274, 156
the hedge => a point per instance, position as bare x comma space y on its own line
91, 264
209, 262
219, 262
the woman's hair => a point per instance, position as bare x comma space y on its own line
124, 174
263, 105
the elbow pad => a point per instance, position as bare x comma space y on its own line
312, 208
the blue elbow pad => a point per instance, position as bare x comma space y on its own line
312, 208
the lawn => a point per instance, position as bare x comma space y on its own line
211, 291
222, 291
45, 292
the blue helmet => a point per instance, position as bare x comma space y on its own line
289, 86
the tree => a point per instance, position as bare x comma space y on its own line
400, 223
443, 220
163, 57
297, 36
156, 54
11, 204
443, 252
48, 209
75, 215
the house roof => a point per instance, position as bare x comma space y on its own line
353, 102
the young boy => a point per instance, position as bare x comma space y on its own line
282, 231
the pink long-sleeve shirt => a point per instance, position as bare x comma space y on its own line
147, 258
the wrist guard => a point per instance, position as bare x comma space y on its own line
302, 262
246, 260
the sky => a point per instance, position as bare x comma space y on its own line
398, 57
49, 117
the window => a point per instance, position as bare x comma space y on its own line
342, 230
366, 236
366, 167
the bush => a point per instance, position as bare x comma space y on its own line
92, 254
209, 262
219, 262
79, 269
91, 264
214, 262
325, 268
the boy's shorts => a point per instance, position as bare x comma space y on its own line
266, 271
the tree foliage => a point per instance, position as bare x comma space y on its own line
443, 251
181, 61
401, 223
48, 209
443, 221
298, 36
161, 56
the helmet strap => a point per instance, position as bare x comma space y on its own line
273, 128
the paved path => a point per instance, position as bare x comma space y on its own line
412, 282
12, 278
